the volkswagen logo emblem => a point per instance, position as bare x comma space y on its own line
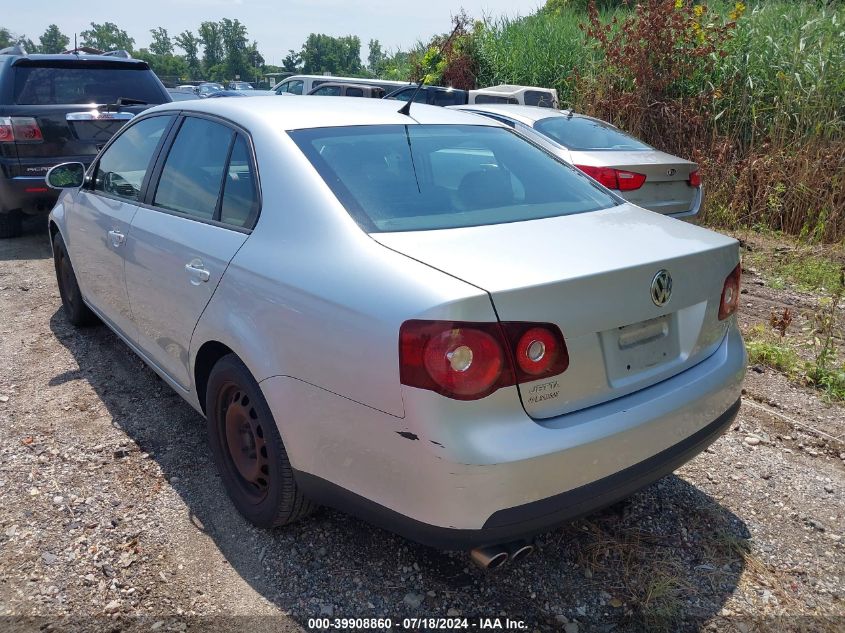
661, 287
671, 172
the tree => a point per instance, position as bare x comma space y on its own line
376, 57
255, 59
169, 68
107, 37
161, 44
337, 55
292, 61
53, 40
189, 43
7, 38
212, 44
233, 34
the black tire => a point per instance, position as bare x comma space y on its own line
76, 311
248, 449
10, 224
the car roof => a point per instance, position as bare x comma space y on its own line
344, 84
342, 79
70, 57
297, 113
522, 113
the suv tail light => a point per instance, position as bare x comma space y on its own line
730, 294
614, 178
20, 129
468, 360
694, 179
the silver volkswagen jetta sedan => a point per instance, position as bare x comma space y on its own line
424, 320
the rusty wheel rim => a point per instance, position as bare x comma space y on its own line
245, 442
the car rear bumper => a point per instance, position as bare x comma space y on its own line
526, 520
501, 476
29, 194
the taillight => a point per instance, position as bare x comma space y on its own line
6, 135
539, 350
730, 294
20, 129
694, 179
468, 361
614, 178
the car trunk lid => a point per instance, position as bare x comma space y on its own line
666, 188
591, 274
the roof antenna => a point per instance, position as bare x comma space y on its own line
406, 109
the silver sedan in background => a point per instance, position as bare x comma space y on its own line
639, 173
422, 319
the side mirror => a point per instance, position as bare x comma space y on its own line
66, 176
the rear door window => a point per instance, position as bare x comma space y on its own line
63, 84
354, 92
192, 176
239, 206
122, 167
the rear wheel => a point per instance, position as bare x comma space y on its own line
248, 449
76, 311
10, 224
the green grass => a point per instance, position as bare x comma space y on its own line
538, 50
783, 75
797, 268
767, 348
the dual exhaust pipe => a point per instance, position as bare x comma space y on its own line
492, 557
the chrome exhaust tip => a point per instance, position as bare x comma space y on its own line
489, 558
519, 550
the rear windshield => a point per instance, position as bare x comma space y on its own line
422, 177
44, 85
578, 133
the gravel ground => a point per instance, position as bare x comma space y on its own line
113, 517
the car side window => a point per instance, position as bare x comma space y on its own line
123, 166
354, 92
192, 176
482, 98
239, 206
327, 91
538, 98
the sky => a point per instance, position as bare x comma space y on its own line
277, 26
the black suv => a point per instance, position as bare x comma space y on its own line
57, 108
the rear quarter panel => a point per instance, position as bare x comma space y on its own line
311, 296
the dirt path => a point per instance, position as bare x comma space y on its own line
112, 514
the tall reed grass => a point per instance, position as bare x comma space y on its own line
771, 135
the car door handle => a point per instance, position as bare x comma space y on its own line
117, 238
198, 272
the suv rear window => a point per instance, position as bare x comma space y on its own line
421, 177
63, 84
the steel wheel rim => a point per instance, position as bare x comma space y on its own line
245, 442
66, 273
